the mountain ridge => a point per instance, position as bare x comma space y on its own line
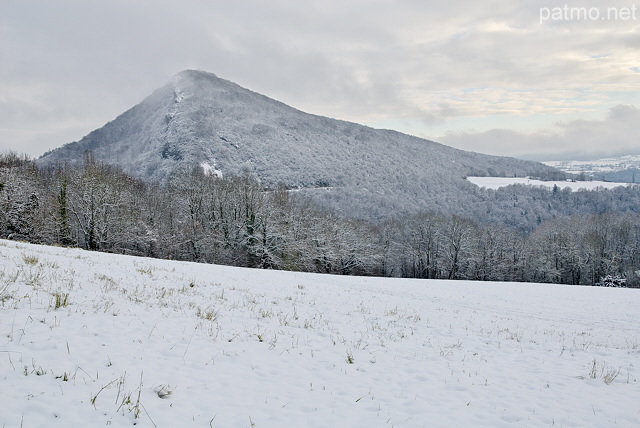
200, 119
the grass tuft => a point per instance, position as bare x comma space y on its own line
61, 299
601, 371
350, 358
30, 259
164, 391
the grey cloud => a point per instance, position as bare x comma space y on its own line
360, 60
616, 134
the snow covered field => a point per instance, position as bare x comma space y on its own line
90, 339
497, 182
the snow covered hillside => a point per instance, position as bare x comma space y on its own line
200, 119
93, 339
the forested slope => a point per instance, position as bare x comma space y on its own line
515, 234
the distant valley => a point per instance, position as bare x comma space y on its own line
624, 169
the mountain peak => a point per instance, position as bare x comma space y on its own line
195, 76
193, 73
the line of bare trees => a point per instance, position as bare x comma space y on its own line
198, 217
579, 250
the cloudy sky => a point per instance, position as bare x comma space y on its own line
540, 80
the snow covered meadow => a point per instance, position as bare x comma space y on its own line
93, 339
497, 182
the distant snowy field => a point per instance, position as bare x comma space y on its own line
600, 165
497, 182
91, 339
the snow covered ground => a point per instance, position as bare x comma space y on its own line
497, 182
90, 339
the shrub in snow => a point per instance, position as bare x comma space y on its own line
612, 281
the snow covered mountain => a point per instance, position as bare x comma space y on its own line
200, 119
